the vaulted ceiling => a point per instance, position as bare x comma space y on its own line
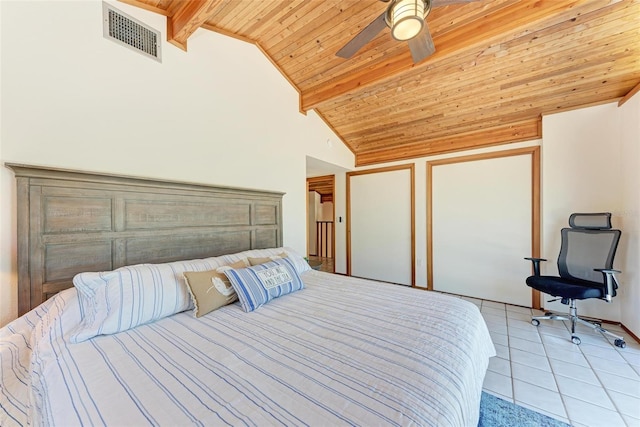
498, 66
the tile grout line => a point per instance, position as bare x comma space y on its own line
555, 381
606, 390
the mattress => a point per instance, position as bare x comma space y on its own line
341, 351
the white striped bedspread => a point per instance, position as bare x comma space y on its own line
342, 351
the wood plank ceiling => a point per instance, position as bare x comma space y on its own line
323, 185
499, 65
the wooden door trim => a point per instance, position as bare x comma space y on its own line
333, 202
333, 227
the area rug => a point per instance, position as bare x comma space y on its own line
496, 412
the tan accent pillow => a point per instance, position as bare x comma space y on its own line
258, 261
211, 289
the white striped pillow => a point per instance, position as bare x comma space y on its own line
114, 301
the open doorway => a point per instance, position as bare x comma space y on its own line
320, 222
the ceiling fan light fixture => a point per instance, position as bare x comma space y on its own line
406, 18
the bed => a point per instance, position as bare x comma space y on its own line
318, 349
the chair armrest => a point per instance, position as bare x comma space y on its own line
610, 282
536, 264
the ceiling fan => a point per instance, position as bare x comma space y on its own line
407, 20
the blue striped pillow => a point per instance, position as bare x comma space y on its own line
114, 301
260, 284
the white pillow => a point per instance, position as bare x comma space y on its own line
300, 264
114, 301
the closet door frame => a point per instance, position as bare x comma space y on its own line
411, 168
534, 152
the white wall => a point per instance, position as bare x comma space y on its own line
8, 295
581, 172
219, 113
630, 214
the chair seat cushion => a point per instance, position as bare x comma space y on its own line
566, 288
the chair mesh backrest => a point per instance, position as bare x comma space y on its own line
589, 243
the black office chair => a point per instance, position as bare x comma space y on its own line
586, 270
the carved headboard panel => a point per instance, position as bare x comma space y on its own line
70, 222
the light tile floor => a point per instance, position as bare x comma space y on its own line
593, 384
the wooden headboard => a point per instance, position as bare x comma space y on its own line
72, 221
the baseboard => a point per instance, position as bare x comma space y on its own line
634, 336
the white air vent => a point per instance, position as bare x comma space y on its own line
129, 32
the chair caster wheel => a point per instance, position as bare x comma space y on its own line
576, 340
620, 343
535, 322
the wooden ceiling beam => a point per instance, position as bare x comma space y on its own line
629, 95
509, 133
482, 120
486, 127
145, 6
187, 19
512, 18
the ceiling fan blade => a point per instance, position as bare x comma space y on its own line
363, 37
421, 45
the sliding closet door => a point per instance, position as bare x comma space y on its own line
380, 223
481, 217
